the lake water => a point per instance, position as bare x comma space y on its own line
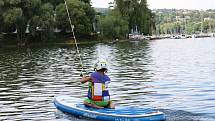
174, 76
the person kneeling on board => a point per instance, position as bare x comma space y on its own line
98, 94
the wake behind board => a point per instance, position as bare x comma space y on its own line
75, 107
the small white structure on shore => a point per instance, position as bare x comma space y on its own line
194, 36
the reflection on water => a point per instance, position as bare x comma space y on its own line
175, 76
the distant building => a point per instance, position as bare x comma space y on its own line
187, 17
207, 19
178, 18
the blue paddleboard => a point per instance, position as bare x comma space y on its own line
75, 107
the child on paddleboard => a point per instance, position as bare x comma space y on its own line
98, 94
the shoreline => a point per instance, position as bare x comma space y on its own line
65, 42
68, 42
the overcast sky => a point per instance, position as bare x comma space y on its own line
178, 4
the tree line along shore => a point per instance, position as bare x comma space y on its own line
24, 21
173, 21
36, 21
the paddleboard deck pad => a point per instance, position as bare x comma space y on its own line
76, 107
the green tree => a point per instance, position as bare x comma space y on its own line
31, 8
18, 14
82, 16
45, 21
137, 14
14, 17
114, 26
1, 17
45, 15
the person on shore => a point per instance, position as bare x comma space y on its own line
98, 94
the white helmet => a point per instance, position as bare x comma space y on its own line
102, 64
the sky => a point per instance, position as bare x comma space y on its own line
177, 4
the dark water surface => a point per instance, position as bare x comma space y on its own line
174, 76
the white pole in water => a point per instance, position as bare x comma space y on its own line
72, 27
